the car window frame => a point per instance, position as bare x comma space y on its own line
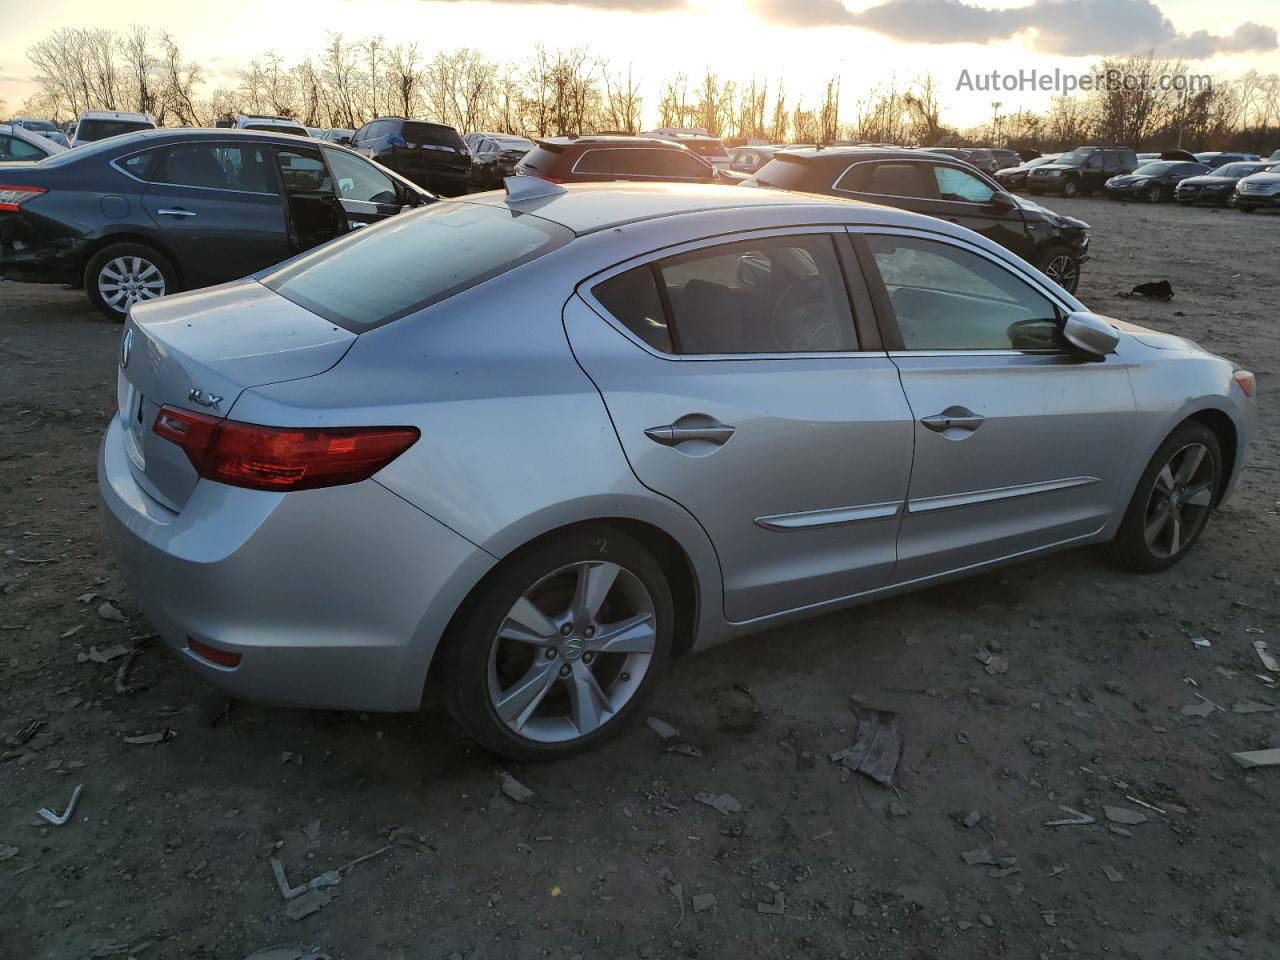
611, 149
977, 174
885, 314
326, 150
866, 329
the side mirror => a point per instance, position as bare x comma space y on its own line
344, 141
1002, 201
1090, 333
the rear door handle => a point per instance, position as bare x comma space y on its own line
953, 418
672, 434
175, 212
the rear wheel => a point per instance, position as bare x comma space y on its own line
1154, 194
1172, 502
558, 649
1070, 188
122, 274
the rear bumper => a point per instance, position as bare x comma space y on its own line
333, 598
33, 250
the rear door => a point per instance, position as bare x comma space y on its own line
742, 387
218, 208
1019, 443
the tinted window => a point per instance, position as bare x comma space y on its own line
946, 298
786, 172
216, 166
1239, 169
277, 128
539, 158
431, 134
957, 185
1155, 169
140, 165
636, 163
900, 180
777, 295
11, 148
304, 173
358, 180
391, 269
90, 130
633, 298
684, 167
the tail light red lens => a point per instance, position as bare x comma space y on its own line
12, 197
223, 658
281, 458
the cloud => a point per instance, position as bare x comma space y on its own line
1064, 27
620, 6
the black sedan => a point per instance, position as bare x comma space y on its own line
139, 215
1219, 185
932, 183
1015, 178
1153, 182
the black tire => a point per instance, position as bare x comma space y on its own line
1186, 203
100, 268
1070, 188
1245, 207
1060, 265
473, 633
1130, 547
1154, 193
1035, 193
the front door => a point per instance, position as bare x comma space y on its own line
315, 215
365, 193
218, 209
739, 387
1020, 443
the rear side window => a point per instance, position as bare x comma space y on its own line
215, 166
774, 295
90, 130
387, 271
596, 161
961, 187
431, 135
901, 180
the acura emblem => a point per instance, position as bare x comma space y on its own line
125, 346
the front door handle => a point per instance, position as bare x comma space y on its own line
953, 418
674, 433
175, 212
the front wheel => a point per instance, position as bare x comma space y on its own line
1154, 194
1172, 502
561, 646
1061, 266
122, 274
1070, 188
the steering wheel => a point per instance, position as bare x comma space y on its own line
800, 315
1033, 333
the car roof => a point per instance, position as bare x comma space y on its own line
591, 207
611, 139
218, 133
114, 115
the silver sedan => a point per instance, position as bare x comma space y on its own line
531, 446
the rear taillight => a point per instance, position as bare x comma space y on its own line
281, 458
223, 658
12, 197
1246, 380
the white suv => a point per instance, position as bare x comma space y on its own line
100, 124
249, 121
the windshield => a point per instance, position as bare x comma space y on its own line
1041, 161
1238, 169
39, 126
1074, 158
1154, 169
384, 272
91, 130
513, 143
432, 135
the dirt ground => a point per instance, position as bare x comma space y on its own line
168, 853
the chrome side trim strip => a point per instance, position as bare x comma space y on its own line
811, 519
925, 504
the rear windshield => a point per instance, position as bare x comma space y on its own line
430, 134
39, 126
706, 148
277, 128
90, 130
540, 159
384, 272
784, 172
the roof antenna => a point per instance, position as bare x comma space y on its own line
530, 188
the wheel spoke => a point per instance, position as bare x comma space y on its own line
517, 704
1165, 480
1200, 495
148, 270
1157, 522
595, 580
587, 701
527, 624
1191, 459
633, 635
110, 271
1175, 532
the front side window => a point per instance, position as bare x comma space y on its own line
946, 298
681, 166
776, 295
215, 166
637, 163
391, 269
962, 187
359, 180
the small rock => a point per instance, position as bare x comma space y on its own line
1124, 815
971, 819
979, 857
963, 925
895, 809
1112, 874
307, 904
860, 909
663, 729
109, 611
312, 830
512, 788
1039, 748
1201, 709
724, 803
777, 907
985, 920
703, 901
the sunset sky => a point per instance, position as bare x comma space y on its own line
803, 42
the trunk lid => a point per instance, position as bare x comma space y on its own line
200, 351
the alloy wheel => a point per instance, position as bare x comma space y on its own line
1063, 271
1153, 194
572, 651
124, 281
1180, 500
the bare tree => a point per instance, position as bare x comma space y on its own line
622, 101
140, 63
